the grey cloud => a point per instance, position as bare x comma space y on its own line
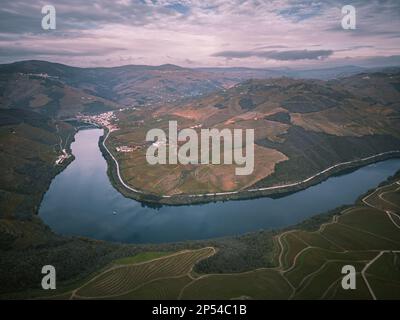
191, 62
290, 55
21, 16
301, 10
378, 24
367, 30
271, 47
20, 51
352, 48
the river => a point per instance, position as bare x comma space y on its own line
81, 201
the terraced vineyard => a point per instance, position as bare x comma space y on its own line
121, 280
309, 263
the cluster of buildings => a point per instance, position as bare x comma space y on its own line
39, 75
125, 149
105, 119
62, 157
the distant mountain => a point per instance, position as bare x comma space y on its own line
300, 98
241, 74
48, 96
59, 90
128, 85
326, 73
378, 88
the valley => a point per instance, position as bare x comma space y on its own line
58, 206
183, 154
85, 187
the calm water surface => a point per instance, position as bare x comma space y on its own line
81, 201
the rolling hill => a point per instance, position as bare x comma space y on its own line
128, 85
48, 96
302, 127
53, 86
30, 144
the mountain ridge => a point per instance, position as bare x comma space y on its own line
145, 85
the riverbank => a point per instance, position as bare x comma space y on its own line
25, 252
151, 199
60, 167
241, 254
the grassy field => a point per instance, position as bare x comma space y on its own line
308, 264
141, 257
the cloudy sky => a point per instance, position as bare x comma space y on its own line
200, 33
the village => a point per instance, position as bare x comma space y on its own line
104, 120
107, 120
